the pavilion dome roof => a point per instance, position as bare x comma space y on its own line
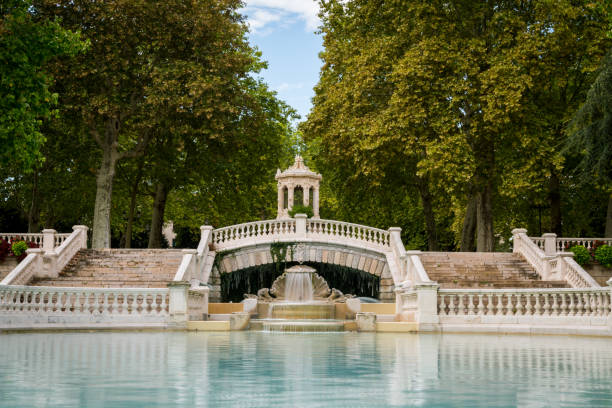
298, 169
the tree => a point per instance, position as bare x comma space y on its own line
26, 45
449, 92
591, 133
122, 86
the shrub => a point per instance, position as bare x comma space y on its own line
19, 247
301, 209
581, 254
603, 255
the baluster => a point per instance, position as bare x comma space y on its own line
589, 306
580, 306
461, 305
96, 303
481, 307
529, 308
470, 304
452, 310
490, 306
519, 304
538, 306
58, 301
572, 305
499, 305
441, 310
555, 305
598, 304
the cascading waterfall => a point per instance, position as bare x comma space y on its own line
298, 287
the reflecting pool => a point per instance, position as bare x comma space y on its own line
254, 369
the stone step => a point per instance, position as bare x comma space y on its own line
483, 270
145, 268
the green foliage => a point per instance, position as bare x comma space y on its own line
301, 209
603, 255
26, 45
19, 248
279, 251
449, 103
581, 254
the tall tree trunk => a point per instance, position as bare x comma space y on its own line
554, 197
469, 226
34, 213
157, 219
485, 173
102, 209
428, 213
609, 218
133, 196
484, 224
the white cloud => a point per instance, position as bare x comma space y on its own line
285, 86
263, 12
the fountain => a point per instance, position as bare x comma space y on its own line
299, 300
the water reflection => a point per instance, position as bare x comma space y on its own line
267, 369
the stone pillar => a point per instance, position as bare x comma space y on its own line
300, 225
48, 240
516, 237
550, 244
290, 195
366, 321
280, 201
178, 303
240, 320
315, 202
306, 190
83, 234
427, 306
38, 265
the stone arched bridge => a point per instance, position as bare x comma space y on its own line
371, 250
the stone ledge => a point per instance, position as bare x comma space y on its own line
396, 327
208, 325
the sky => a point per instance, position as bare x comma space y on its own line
284, 31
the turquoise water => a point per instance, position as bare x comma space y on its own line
251, 369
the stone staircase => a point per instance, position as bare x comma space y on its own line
485, 270
118, 268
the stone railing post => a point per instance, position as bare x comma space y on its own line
48, 240
38, 263
177, 307
550, 244
300, 224
427, 305
516, 238
82, 229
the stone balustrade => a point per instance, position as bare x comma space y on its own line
345, 230
47, 240
40, 307
300, 229
563, 244
539, 306
35, 238
223, 237
49, 260
549, 263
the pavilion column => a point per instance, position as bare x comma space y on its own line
280, 201
290, 206
315, 202
306, 191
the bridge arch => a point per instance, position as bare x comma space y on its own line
314, 254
